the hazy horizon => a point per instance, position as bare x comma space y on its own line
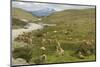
33, 6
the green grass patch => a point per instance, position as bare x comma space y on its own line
79, 25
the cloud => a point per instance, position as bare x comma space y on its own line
32, 6
28, 5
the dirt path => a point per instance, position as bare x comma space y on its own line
30, 27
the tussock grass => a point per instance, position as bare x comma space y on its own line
79, 25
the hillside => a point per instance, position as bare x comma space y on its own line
71, 15
16, 23
73, 30
22, 14
81, 22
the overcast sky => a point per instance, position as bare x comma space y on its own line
32, 6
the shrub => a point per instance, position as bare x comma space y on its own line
23, 52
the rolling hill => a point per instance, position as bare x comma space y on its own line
72, 28
82, 22
22, 14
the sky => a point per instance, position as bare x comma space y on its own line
33, 6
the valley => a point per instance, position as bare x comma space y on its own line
59, 37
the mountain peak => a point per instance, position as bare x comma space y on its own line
43, 12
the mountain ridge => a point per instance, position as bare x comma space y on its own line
43, 12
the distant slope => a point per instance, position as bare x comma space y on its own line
72, 14
16, 23
80, 22
21, 14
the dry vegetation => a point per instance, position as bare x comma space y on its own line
73, 39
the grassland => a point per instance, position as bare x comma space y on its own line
72, 27
30, 54
18, 23
19, 15
22, 14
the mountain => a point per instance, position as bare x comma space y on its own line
43, 12
22, 14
